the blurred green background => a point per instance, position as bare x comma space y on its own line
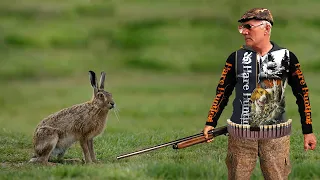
163, 60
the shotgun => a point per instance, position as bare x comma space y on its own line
183, 142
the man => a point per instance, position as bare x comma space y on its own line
259, 72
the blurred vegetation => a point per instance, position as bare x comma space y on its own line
62, 38
163, 60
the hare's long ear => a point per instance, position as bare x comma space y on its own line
93, 80
102, 79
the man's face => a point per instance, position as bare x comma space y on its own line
252, 32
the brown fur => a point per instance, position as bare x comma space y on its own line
81, 122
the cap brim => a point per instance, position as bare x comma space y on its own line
248, 19
245, 20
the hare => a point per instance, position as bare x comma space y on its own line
81, 122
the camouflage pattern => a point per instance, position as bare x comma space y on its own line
257, 13
274, 158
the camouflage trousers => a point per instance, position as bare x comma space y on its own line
273, 154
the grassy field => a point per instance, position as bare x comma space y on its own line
163, 60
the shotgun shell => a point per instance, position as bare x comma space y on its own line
233, 128
237, 130
251, 133
285, 128
278, 130
248, 131
261, 132
282, 129
265, 131
274, 131
244, 131
269, 131
241, 130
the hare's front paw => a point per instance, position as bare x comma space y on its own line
87, 162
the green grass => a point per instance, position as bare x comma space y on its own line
163, 60
162, 109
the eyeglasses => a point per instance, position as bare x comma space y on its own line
247, 26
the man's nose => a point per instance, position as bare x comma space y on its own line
244, 31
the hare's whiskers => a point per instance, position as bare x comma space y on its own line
117, 116
116, 113
117, 109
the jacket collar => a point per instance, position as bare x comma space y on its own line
275, 47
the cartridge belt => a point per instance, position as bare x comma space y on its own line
259, 132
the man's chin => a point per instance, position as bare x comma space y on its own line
249, 43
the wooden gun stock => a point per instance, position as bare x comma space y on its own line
201, 139
192, 142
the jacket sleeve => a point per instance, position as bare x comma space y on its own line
224, 90
300, 90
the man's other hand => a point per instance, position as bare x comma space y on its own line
309, 142
205, 132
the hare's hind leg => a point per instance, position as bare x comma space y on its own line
45, 141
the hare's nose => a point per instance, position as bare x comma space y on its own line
112, 104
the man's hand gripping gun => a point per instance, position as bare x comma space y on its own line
183, 142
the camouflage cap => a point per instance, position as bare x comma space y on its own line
257, 13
